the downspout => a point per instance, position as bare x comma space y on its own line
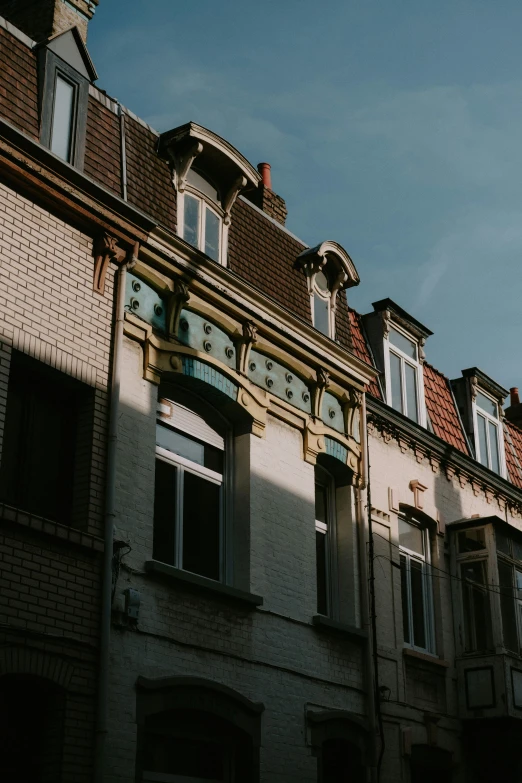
362, 522
110, 514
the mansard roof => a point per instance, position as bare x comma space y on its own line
261, 250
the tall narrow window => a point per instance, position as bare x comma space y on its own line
488, 434
202, 216
403, 382
63, 115
417, 605
321, 305
324, 538
475, 604
189, 494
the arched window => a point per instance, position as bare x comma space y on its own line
202, 215
322, 316
190, 507
416, 588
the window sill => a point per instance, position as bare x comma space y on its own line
425, 657
70, 535
201, 584
349, 631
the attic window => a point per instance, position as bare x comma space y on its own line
404, 378
65, 72
328, 269
488, 438
202, 216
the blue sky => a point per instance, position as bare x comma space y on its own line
393, 127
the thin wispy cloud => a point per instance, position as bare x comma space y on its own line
388, 130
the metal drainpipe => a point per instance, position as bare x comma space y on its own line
365, 606
110, 513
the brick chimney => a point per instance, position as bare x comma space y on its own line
265, 198
514, 412
41, 19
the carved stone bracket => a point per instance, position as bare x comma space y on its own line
175, 304
318, 390
245, 345
105, 249
314, 442
180, 164
350, 408
231, 196
418, 490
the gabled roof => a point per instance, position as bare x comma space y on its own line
69, 46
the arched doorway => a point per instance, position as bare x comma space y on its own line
31, 729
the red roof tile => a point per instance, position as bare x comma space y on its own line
442, 410
513, 442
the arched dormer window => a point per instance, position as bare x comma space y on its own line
329, 269
208, 174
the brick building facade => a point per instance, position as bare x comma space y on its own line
246, 533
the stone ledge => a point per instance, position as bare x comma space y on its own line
350, 631
58, 531
201, 584
424, 657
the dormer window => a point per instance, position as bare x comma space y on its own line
202, 216
487, 428
65, 72
479, 399
403, 374
208, 175
321, 312
329, 270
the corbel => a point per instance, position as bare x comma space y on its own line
353, 403
230, 198
180, 164
385, 318
418, 490
245, 345
422, 353
105, 249
340, 283
255, 409
176, 301
473, 387
318, 389
314, 442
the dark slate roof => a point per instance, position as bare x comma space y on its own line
18, 87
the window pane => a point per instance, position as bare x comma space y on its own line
191, 221
180, 444
503, 542
403, 344
517, 549
322, 572
472, 540
405, 601
493, 447
477, 619
212, 226
396, 382
320, 503
164, 540
507, 606
410, 374
411, 536
482, 443
518, 580
321, 315
62, 119
417, 603
486, 404
321, 282
201, 526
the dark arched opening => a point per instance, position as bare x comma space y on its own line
341, 762
31, 729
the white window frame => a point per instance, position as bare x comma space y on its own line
205, 203
497, 422
419, 374
223, 480
327, 297
428, 607
328, 529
